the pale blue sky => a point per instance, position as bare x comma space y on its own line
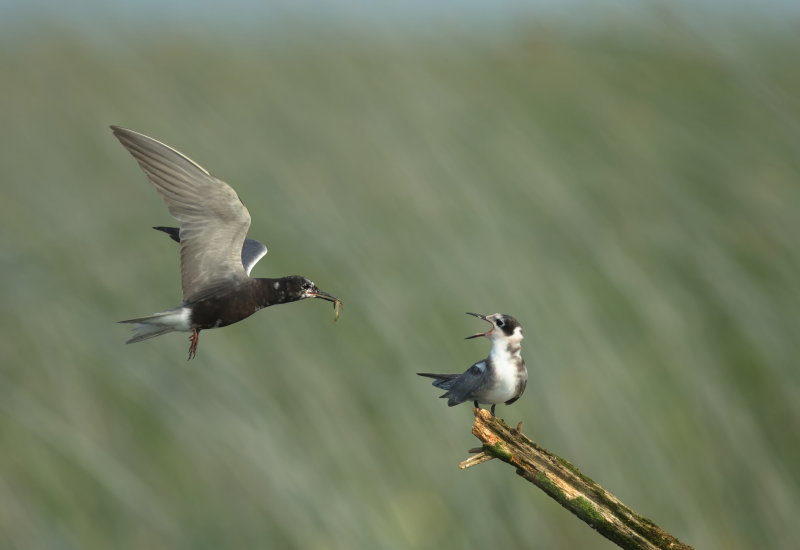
256, 13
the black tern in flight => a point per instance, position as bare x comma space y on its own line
500, 378
216, 259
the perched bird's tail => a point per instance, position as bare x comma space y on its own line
443, 381
158, 324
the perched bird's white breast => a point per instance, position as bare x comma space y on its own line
507, 369
505, 381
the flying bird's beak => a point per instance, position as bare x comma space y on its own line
337, 303
324, 295
479, 316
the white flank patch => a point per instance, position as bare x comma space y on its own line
160, 323
176, 319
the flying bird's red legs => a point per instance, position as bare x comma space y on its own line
194, 339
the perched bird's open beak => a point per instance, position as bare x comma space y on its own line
479, 316
337, 303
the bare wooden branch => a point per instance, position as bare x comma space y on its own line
568, 486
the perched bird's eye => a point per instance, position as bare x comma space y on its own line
500, 323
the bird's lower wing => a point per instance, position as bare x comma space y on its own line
252, 250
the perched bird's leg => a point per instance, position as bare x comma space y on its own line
475, 403
194, 339
493, 406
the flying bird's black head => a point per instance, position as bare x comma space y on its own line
297, 287
291, 289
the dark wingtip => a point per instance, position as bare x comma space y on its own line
173, 232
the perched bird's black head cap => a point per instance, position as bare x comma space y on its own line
507, 324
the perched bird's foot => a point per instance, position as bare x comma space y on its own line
492, 409
194, 339
519, 428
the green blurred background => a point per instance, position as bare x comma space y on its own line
626, 186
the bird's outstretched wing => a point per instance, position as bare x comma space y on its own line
252, 250
214, 221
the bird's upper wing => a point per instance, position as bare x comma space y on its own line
214, 221
473, 381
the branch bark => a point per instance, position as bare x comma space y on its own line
567, 485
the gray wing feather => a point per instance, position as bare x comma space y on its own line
464, 388
214, 221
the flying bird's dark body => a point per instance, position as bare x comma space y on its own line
500, 378
242, 300
216, 258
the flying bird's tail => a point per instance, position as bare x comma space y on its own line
158, 324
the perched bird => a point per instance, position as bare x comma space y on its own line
500, 378
216, 259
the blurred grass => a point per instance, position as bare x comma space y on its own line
629, 192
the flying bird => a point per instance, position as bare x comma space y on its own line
216, 258
500, 378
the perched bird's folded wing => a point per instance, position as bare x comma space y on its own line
473, 382
214, 222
